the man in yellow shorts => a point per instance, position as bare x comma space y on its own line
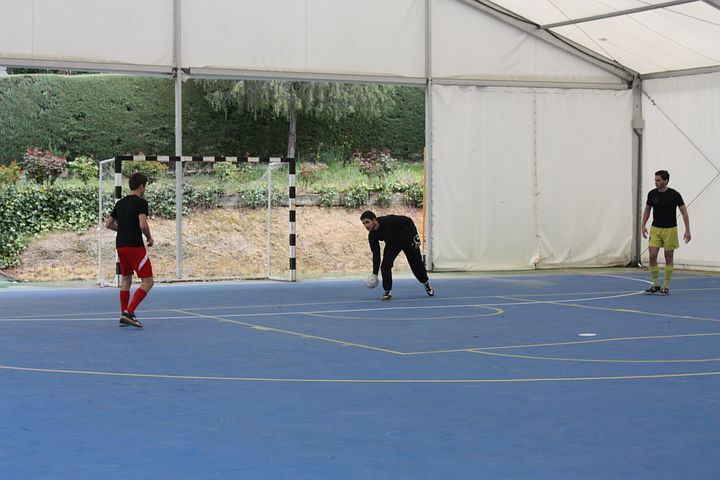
663, 200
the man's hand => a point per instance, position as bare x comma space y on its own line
644, 232
687, 237
416, 242
150, 241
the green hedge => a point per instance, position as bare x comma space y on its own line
103, 115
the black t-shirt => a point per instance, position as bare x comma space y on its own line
126, 213
396, 230
663, 206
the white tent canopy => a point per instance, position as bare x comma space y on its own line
545, 119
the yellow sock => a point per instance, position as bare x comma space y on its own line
668, 274
655, 274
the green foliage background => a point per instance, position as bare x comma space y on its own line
105, 115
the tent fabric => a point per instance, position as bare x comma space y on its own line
500, 51
677, 37
136, 32
682, 121
530, 178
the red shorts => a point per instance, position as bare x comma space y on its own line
134, 259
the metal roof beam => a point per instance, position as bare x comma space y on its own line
552, 38
619, 13
713, 3
682, 73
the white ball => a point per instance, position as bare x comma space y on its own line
371, 281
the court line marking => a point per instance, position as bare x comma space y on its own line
577, 342
496, 311
345, 302
289, 332
348, 380
591, 360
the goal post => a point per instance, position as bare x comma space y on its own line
271, 162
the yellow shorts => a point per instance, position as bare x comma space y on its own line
666, 238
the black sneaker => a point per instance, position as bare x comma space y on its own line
387, 296
128, 318
652, 290
664, 291
429, 290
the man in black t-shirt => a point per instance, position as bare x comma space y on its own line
663, 201
129, 220
400, 235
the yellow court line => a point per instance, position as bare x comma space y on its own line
591, 360
297, 334
349, 380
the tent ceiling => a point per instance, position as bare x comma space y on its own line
645, 36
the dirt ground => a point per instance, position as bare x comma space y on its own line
219, 243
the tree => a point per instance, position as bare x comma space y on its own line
285, 99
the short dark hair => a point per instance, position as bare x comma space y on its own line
367, 214
664, 174
137, 179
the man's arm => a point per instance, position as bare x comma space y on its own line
646, 215
375, 249
111, 223
145, 228
686, 219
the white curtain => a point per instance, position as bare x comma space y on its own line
530, 178
682, 121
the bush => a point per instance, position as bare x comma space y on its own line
10, 174
83, 168
375, 165
310, 173
151, 169
328, 196
385, 198
414, 195
356, 196
257, 197
30, 209
43, 166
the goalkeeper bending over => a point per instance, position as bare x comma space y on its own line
400, 235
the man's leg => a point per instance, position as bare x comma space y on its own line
390, 253
654, 270
145, 285
669, 267
125, 283
418, 268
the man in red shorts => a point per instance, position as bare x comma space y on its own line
129, 220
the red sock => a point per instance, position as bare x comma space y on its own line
124, 300
137, 298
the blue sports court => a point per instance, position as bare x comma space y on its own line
556, 375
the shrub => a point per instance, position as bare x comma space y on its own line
43, 166
257, 197
356, 196
10, 174
375, 165
385, 198
83, 168
328, 196
151, 169
310, 173
414, 195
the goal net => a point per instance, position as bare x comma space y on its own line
237, 219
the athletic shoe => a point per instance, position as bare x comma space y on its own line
128, 318
429, 290
652, 290
387, 295
664, 291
